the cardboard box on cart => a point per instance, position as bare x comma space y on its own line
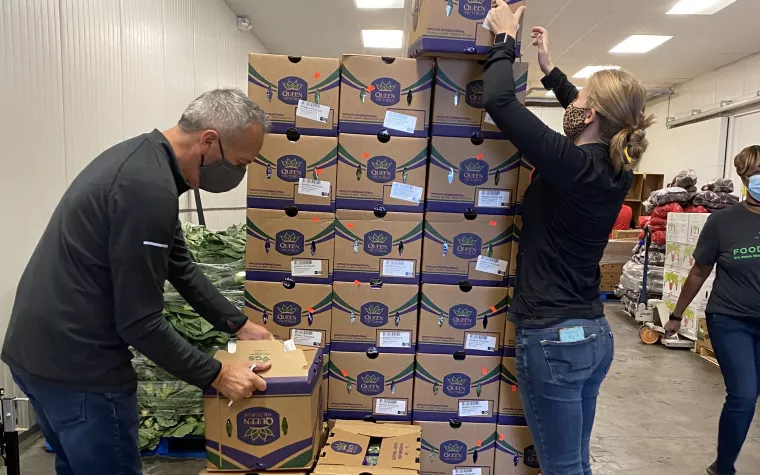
276, 429
277, 83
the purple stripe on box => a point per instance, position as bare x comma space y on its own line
363, 346
369, 205
360, 415
278, 203
282, 127
509, 352
361, 128
440, 349
445, 416
463, 206
269, 460
505, 420
272, 276
442, 130
448, 279
350, 276
212, 444
450, 45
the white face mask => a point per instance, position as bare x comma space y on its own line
754, 187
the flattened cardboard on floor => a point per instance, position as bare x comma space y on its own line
279, 246
466, 388
447, 446
276, 429
510, 406
365, 386
302, 313
458, 109
515, 453
371, 245
466, 174
453, 246
391, 449
373, 86
273, 178
277, 83
366, 316
452, 320
452, 28
369, 169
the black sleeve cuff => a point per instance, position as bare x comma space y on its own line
507, 48
553, 79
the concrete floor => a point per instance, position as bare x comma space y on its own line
658, 415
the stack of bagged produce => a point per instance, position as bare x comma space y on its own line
169, 407
716, 195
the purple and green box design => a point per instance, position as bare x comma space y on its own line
422, 376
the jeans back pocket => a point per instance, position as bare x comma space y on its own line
571, 362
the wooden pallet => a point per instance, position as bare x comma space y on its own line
707, 355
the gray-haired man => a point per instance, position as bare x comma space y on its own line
94, 285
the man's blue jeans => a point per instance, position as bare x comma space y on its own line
91, 433
559, 383
737, 348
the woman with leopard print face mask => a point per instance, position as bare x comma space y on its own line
564, 344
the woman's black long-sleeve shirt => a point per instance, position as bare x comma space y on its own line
569, 208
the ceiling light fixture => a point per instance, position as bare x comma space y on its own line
640, 44
377, 4
390, 39
589, 71
699, 7
551, 93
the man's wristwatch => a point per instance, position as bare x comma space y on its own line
500, 39
673, 317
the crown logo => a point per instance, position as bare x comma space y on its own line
370, 379
382, 164
287, 309
477, 88
290, 238
462, 312
467, 241
374, 310
452, 447
292, 86
457, 381
291, 163
378, 239
478, 2
385, 86
340, 446
474, 167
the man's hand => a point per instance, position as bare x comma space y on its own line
541, 39
672, 327
237, 381
502, 20
252, 331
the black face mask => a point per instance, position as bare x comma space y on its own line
221, 176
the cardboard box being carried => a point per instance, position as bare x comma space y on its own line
458, 109
382, 316
375, 385
703, 335
355, 447
279, 246
378, 244
382, 171
278, 83
515, 453
454, 28
447, 446
299, 172
458, 249
510, 406
276, 429
453, 319
302, 312
466, 387
385, 94
467, 174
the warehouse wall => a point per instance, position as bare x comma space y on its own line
78, 76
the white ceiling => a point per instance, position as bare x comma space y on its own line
582, 32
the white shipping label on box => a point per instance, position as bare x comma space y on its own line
394, 268
468, 471
319, 188
305, 267
491, 265
402, 191
306, 337
475, 341
400, 122
313, 111
473, 408
390, 407
389, 339
493, 199
487, 119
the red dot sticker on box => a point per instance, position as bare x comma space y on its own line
310, 310
485, 370
315, 219
357, 282
365, 155
317, 74
344, 372
319, 171
501, 436
480, 442
371, 88
493, 309
514, 388
350, 225
492, 223
480, 156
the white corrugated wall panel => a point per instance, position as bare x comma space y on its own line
752, 75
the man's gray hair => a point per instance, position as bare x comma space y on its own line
228, 111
